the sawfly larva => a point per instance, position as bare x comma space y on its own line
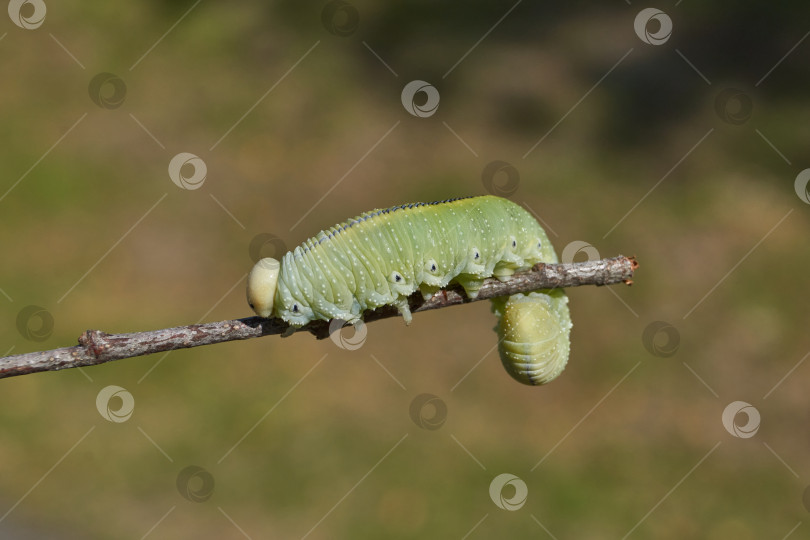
381, 257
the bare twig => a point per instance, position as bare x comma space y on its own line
96, 347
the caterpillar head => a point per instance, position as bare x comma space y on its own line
261, 286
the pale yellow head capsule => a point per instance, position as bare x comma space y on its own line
261, 286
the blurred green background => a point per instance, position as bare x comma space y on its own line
683, 153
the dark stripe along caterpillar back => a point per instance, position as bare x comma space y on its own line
381, 257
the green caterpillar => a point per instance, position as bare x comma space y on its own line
381, 257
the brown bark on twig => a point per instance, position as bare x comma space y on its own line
96, 347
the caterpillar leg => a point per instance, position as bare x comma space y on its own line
404, 309
428, 290
533, 332
503, 273
470, 284
290, 330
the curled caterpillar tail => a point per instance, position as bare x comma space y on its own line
533, 335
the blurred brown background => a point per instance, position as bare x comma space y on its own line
681, 148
